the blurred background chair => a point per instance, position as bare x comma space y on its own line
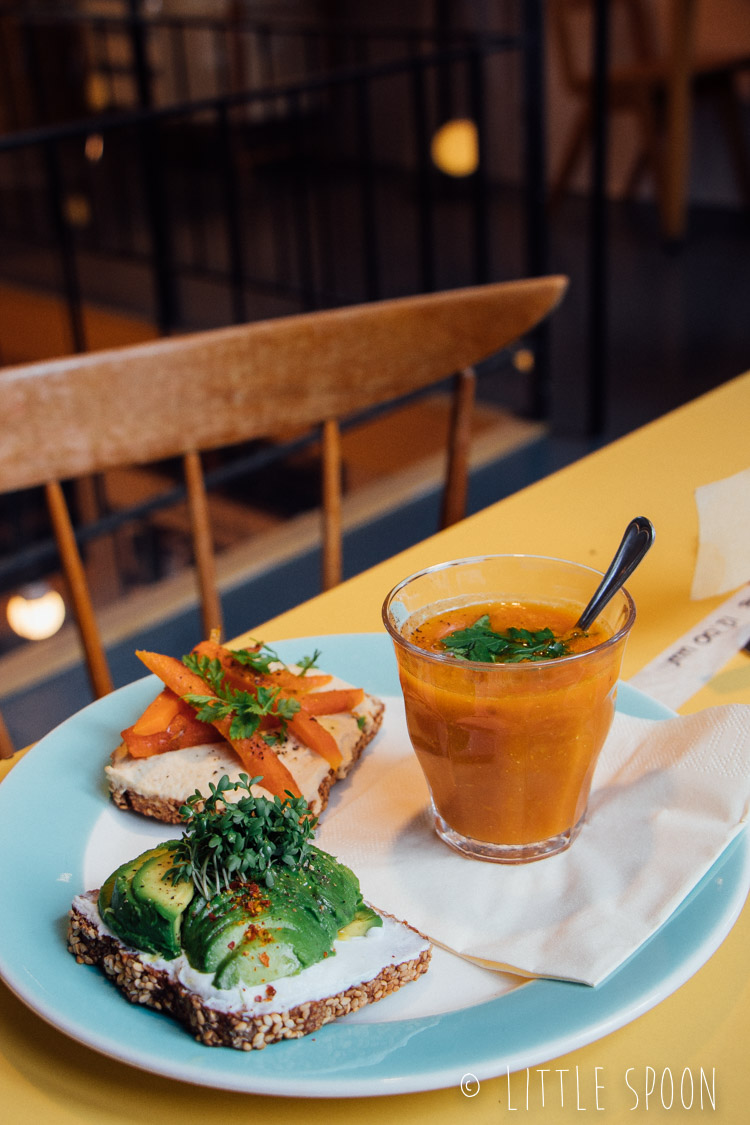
641, 71
73, 418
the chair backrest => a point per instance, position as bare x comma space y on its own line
85, 414
633, 34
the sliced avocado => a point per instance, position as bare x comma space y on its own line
115, 891
137, 921
253, 934
365, 919
258, 962
204, 923
216, 942
105, 895
150, 884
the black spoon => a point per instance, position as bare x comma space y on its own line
638, 537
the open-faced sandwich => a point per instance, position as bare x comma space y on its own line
243, 930
223, 711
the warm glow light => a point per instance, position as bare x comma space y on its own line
94, 147
455, 147
77, 210
36, 614
523, 359
97, 92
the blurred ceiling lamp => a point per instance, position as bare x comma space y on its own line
97, 92
455, 147
77, 210
94, 147
523, 359
37, 612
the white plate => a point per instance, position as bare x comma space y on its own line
456, 1020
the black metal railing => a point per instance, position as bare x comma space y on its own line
287, 196
62, 62
278, 199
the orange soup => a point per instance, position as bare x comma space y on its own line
431, 633
508, 749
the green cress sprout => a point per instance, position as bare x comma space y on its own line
481, 643
226, 842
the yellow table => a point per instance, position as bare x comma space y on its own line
578, 513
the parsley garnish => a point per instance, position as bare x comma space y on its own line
480, 642
308, 662
240, 841
244, 708
260, 659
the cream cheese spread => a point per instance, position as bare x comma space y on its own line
355, 961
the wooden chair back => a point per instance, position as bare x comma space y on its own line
653, 81
632, 24
176, 397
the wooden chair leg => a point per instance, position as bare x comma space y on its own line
730, 111
679, 112
651, 156
203, 546
459, 444
7, 749
75, 576
332, 566
572, 154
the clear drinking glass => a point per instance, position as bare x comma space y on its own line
508, 749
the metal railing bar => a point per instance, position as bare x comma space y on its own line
70, 280
304, 256
179, 57
368, 207
295, 90
291, 28
535, 178
233, 224
480, 220
425, 213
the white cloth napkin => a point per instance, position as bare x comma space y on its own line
723, 560
668, 797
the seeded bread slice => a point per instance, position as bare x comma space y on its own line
258, 1022
159, 786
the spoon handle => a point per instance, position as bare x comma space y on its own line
638, 537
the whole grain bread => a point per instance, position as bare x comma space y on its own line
144, 983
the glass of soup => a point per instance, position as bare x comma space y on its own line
507, 703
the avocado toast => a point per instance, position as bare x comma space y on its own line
242, 929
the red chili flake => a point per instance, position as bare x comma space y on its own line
270, 991
231, 945
263, 958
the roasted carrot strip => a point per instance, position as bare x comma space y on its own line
309, 731
293, 684
169, 723
331, 702
159, 714
184, 733
255, 754
146, 745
